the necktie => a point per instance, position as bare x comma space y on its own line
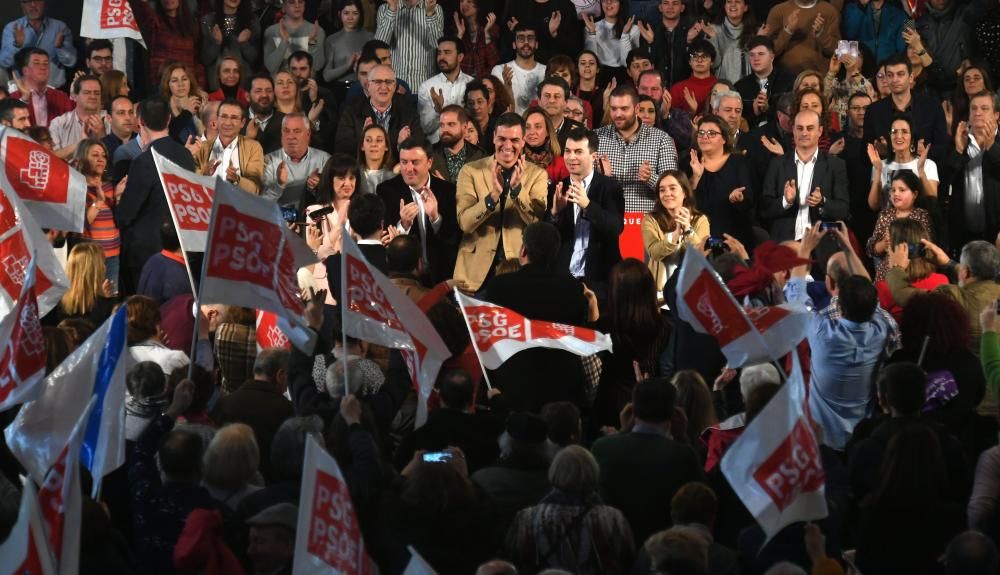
421, 194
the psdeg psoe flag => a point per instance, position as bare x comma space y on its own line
375, 310
269, 334
26, 551
22, 348
21, 238
55, 193
60, 500
774, 466
189, 197
43, 427
109, 19
328, 533
746, 335
252, 257
500, 332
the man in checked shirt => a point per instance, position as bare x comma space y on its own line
635, 155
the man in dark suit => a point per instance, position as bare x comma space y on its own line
143, 206
535, 377
393, 111
366, 214
805, 185
553, 94
265, 121
588, 209
422, 205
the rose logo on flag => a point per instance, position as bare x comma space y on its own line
333, 533
36, 175
793, 468
16, 268
32, 339
275, 337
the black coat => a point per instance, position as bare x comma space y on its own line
442, 246
778, 83
926, 118
538, 376
606, 213
991, 192
356, 111
143, 207
829, 175
270, 137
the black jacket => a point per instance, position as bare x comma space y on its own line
669, 52
925, 115
143, 207
958, 163
270, 137
778, 83
356, 111
829, 175
606, 213
442, 246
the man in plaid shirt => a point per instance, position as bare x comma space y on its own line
636, 154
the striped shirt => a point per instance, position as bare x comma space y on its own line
413, 37
102, 230
648, 145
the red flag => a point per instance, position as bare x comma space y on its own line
269, 334
189, 197
498, 333
774, 466
109, 19
746, 335
375, 310
26, 550
328, 533
22, 363
252, 258
21, 238
55, 193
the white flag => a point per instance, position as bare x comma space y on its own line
55, 193
375, 310
774, 466
43, 427
189, 197
417, 564
26, 551
498, 333
328, 536
109, 19
746, 335
21, 238
252, 258
22, 348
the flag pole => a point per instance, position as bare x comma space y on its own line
197, 298
343, 309
472, 338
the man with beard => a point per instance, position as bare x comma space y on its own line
265, 122
385, 107
311, 94
445, 89
523, 74
423, 206
453, 151
498, 196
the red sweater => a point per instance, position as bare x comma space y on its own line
700, 87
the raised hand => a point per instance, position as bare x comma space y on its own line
589, 24
252, 130
697, 168
430, 204
922, 150
511, 24
772, 145
837, 147
691, 100
192, 145
736, 196
791, 20
578, 195
554, 20
683, 219
283, 30
666, 101
60, 39
313, 89
817, 25
628, 25
693, 32
815, 198
244, 36
120, 188
282, 174
315, 31
559, 199
312, 182
404, 133
459, 25
791, 192
645, 172
760, 104
708, 29
316, 110
217, 34
961, 137
834, 65
437, 98
491, 21
646, 32
605, 164
18, 35
508, 75
407, 213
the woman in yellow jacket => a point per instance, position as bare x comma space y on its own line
672, 225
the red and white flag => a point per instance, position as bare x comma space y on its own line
22, 355
20, 238
328, 533
60, 499
55, 193
109, 19
375, 310
746, 335
774, 467
189, 197
26, 551
499, 333
252, 258
269, 334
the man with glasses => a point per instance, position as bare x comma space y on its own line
88, 120
385, 107
692, 92
35, 30
522, 74
765, 82
924, 111
99, 58
230, 156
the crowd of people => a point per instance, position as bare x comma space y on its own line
559, 158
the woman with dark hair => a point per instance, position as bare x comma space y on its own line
936, 332
638, 334
91, 160
477, 104
145, 337
612, 37
907, 522
501, 98
814, 100
229, 80
674, 224
695, 398
479, 31
114, 83
730, 36
172, 34
920, 272
183, 92
906, 189
975, 79
343, 47
337, 186
721, 180
588, 86
375, 158
231, 30
904, 155
541, 146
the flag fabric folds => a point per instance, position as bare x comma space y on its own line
26, 551
22, 355
746, 335
498, 333
110, 19
189, 197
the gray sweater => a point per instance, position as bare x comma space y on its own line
340, 49
277, 50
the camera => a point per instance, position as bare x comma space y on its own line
290, 214
716, 244
827, 226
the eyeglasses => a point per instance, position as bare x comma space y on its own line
382, 82
700, 57
707, 133
104, 59
574, 113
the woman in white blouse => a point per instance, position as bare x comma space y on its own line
905, 154
614, 36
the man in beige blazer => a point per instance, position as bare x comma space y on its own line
497, 197
238, 160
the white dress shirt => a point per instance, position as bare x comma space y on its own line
225, 157
451, 92
581, 234
803, 181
